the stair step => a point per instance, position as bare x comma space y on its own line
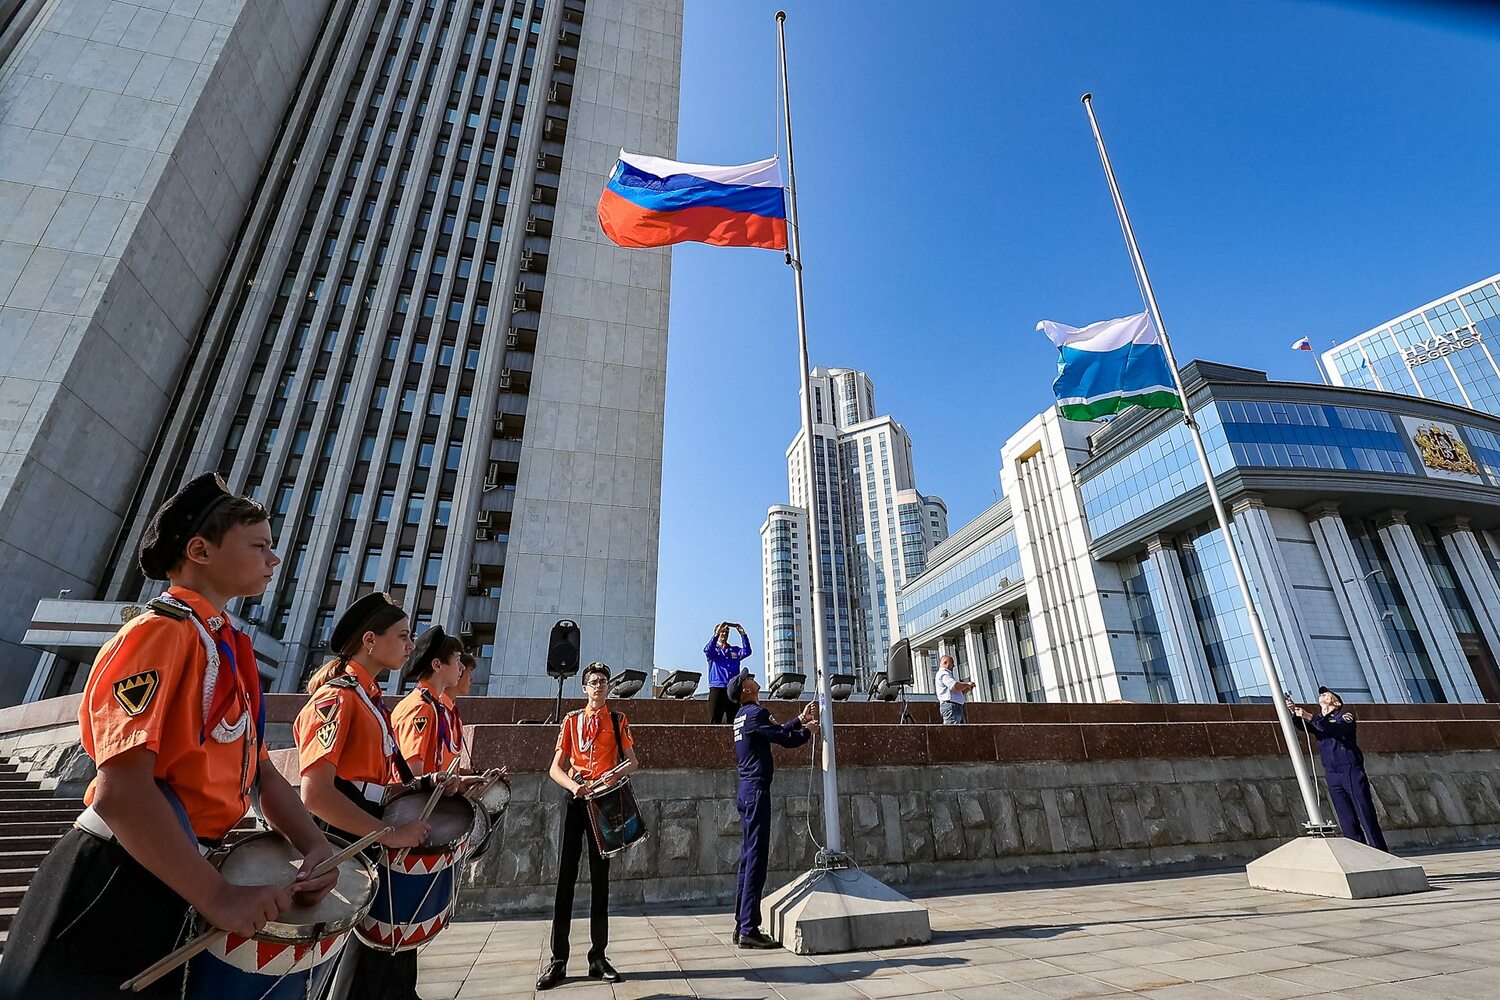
10, 895
20, 876
7, 914
41, 814
42, 800
53, 828
9, 845
20, 860
10, 793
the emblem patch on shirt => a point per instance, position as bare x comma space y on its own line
1348, 716
420, 723
134, 693
328, 728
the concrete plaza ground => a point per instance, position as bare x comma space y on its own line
1198, 937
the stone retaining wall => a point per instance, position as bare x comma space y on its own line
942, 825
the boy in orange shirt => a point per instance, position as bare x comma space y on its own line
171, 715
593, 741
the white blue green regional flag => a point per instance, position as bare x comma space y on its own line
1106, 367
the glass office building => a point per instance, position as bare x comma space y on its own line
1444, 350
1367, 521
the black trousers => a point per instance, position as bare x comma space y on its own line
91, 919
1355, 807
576, 830
720, 708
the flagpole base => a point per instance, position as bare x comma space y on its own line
839, 909
1335, 867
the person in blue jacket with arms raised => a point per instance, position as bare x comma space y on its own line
723, 664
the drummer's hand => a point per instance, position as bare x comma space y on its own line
245, 909
581, 788
455, 784
310, 891
407, 834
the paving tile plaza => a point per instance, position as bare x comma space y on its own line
1197, 937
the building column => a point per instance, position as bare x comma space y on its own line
1178, 607
1474, 576
978, 665
921, 670
1404, 553
1274, 599
1010, 656
1362, 618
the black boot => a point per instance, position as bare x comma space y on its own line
599, 968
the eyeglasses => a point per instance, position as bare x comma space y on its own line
594, 679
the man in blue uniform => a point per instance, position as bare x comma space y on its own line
1344, 766
723, 663
754, 732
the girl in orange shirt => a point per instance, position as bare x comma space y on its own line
349, 759
427, 727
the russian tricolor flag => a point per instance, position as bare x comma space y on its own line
652, 202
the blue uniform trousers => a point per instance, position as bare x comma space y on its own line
1349, 789
754, 801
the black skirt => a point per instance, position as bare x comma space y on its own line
92, 918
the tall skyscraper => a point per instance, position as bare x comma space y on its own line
874, 528
414, 345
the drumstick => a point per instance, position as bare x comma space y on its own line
207, 938
440, 780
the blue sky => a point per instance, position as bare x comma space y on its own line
1290, 168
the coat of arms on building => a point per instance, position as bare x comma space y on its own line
1442, 449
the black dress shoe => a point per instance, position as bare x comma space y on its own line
600, 968
555, 973
756, 939
736, 938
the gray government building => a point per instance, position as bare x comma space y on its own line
1368, 522
345, 253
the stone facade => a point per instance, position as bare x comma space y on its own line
132, 137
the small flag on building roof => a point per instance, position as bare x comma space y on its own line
1110, 366
652, 202
1305, 344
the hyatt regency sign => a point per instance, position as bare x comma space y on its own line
1439, 344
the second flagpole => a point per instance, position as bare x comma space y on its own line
832, 839
1299, 764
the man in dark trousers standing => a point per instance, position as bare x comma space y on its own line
723, 663
1344, 766
754, 732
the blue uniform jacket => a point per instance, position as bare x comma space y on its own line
754, 732
724, 661
1337, 744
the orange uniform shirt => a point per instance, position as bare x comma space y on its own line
587, 739
335, 725
146, 690
425, 730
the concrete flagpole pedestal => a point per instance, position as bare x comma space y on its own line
843, 909
1336, 867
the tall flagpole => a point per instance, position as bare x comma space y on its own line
832, 838
1299, 765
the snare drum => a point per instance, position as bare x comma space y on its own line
615, 818
491, 804
294, 955
415, 896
